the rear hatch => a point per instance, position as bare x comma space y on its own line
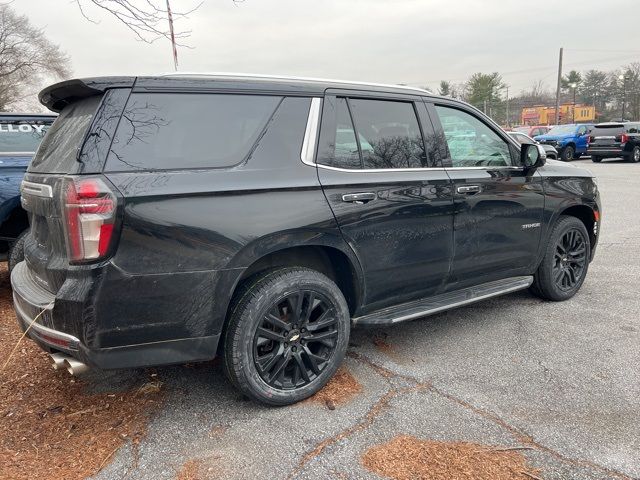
607, 136
42, 197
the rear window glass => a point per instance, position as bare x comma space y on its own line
22, 136
59, 149
607, 130
161, 131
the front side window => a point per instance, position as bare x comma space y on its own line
472, 143
161, 131
389, 134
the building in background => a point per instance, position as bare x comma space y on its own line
542, 115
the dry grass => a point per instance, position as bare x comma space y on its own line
50, 427
408, 458
340, 389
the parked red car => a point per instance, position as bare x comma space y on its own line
532, 130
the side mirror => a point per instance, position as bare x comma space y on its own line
532, 155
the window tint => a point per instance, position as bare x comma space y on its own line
633, 128
471, 142
345, 154
582, 130
185, 130
607, 130
389, 134
59, 148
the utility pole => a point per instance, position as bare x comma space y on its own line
485, 106
508, 122
558, 88
173, 37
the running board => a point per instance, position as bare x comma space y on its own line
445, 301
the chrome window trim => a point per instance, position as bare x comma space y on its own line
423, 169
8, 154
36, 189
308, 152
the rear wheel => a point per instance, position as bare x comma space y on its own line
634, 156
287, 335
566, 261
567, 154
16, 251
596, 159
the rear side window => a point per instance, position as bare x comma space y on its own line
388, 134
21, 136
59, 149
160, 131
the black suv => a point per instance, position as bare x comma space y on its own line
175, 216
613, 139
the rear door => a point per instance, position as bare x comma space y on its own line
388, 192
498, 206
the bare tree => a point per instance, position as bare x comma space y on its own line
147, 19
27, 59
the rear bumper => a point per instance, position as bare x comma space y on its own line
36, 314
606, 152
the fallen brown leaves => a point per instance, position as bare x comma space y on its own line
406, 457
190, 471
341, 388
50, 427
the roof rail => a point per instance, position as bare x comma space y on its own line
287, 77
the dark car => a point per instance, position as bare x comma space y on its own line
522, 138
174, 217
613, 140
20, 135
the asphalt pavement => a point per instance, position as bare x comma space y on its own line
559, 379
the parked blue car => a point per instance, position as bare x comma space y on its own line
20, 136
569, 140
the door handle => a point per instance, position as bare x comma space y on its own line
468, 189
359, 198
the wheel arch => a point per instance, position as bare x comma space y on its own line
586, 215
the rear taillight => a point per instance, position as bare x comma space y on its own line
588, 139
624, 138
90, 214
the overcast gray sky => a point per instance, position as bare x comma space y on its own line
418, 42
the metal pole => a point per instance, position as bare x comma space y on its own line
574, 105
173, 37
558, 88
624, 96
508, 122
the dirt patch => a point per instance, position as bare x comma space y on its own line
406, 457
190, 471
50, 427
340, 389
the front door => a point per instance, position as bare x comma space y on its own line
390, 196
498, 205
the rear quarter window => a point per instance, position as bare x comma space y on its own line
58, 151
161, 131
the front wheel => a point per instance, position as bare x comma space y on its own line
287, 335
568, 153
566, 261
595, 159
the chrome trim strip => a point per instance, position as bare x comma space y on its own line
425, 169
9, 154
36, 189
308, 152
37, 328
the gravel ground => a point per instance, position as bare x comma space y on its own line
559, 379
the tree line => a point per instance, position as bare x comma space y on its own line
606, 90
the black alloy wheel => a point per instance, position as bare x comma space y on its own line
296, 340
570, 259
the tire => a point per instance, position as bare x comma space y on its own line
567, 154
550, 280
596, 159
262, 330
16, 251
634, 156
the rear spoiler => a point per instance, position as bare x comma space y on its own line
57, 96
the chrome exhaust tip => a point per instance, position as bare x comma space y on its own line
57, 360
75, 367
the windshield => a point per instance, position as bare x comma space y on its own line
21, 136
562, 130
